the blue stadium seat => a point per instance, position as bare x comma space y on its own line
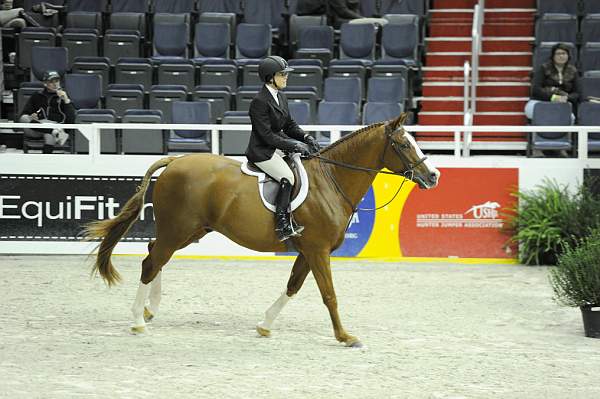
219, 73
143, 141
45, 59
590, 86
374, 112
557, 6
400, 42
122, 43
357, 41
93, 66
190, 113
224, 18
84, 91
33, 37
342, 90
170, 40
588, 114
336, 113
234, 142
26, 90
299, 22
590, 28
304, 94
387, 90
220, 6
546, 113
307, 75
174, 6
176, 71
253, 42
108, 137
81, 42
211, 40
300, 112
556, 28
315, 42
244, 96
590, 57
264, 12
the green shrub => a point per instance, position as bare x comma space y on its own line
576, 278
545, 219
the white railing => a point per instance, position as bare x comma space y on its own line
476, 34
460, 148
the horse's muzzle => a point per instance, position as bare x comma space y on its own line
428, 181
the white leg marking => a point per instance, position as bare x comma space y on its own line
138, 305
155, 292
272, 313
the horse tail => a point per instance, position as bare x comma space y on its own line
110, 231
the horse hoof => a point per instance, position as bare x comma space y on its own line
354, 344
148, 315
263, 332
137, 330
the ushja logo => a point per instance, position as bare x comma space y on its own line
485, 211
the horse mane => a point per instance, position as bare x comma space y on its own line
350, 137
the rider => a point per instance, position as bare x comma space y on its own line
274, 131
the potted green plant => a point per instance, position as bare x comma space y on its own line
576, 280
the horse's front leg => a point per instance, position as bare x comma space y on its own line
321, 269
297, 277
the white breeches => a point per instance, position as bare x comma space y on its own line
277, 168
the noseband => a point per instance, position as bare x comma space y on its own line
398, 149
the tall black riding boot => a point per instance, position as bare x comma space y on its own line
284, 227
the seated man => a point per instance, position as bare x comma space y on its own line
51, 105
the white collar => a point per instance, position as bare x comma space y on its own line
273, 93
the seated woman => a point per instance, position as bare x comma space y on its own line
555, 80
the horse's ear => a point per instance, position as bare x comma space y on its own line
399, 121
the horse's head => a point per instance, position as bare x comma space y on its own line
403, 155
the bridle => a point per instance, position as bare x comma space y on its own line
398, 149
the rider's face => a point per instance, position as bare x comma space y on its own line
280, 79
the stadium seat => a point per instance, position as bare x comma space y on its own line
86, 5
403, 51
387, 90
234, 142
590, 57
81, 42
547, 113
304, 94
590, 86
108, 137
377, 8
264, 12
219, 73
170, 40
134, 71
211, 40
220, 6
250, 75
244, 96
316, 42
342, 90
374, 112
588, 114
336, 113
26, 90
557, 6
161, 97
357, 41
174, 6
84, 20
307, 75
190, 113
218, 96
173, 71
84, 91
93, 66
33, 37
253, 42
590, 7
121, 97
556, 28
143, 141
300, 112
45, 59
298, 22
590, 28
221, 17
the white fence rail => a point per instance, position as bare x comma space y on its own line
461, 144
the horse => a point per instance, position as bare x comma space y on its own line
200, 193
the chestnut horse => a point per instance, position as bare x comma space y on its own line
200, 193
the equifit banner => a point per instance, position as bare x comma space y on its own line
55, 208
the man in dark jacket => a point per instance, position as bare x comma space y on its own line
338, 11
274, 131
51, 105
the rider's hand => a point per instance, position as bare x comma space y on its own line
302, 148
313, 144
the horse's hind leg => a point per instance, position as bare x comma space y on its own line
297, 277
150, 281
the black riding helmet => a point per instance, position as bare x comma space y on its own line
270, 66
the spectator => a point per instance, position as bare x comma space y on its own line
337, 11
51, 105
11, 17
555, 80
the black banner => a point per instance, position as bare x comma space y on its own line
55, 208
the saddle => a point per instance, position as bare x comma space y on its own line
268, 187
